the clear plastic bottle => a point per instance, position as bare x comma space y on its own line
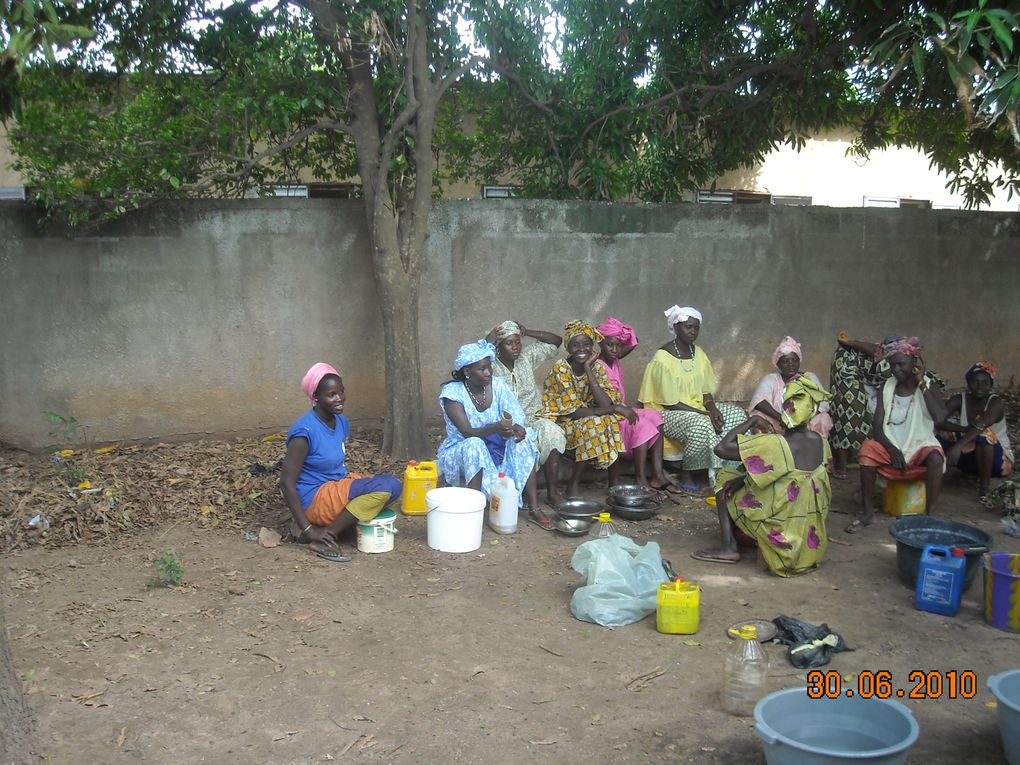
605, 526
745, 673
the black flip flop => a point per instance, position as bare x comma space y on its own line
333, 557
698, 555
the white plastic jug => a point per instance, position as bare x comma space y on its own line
503, 505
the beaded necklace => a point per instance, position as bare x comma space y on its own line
906, 412
682, 360
479, 405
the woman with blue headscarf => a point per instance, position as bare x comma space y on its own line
485, 431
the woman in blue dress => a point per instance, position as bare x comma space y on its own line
485, 431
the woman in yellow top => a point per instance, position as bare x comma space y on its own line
679, 382
580, 398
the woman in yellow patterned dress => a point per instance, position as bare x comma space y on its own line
780, 494
582, 400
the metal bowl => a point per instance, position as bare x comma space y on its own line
647, 510
630, 494
573, 527
579, 508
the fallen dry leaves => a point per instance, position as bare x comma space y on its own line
134, 487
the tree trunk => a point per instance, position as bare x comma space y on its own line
16, 721
404, 427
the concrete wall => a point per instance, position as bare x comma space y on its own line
201, 317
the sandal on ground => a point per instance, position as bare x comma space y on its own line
540, 519
669, 487
333, 556
855, 526
708, 557
839, 476
693, 490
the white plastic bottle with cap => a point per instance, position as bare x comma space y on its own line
503, 505
745, 673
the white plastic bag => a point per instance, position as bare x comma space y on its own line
621, 580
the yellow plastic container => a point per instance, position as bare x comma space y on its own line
904, 497
419, 479
676, 608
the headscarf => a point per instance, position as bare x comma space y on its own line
981, 366
613, 327
507, 329
678, 314
788, 345
896, 344
310, 382
577, 327
801, 397
472, 353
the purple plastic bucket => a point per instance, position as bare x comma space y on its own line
1002, 590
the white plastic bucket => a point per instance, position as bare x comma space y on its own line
376, 535
455, 518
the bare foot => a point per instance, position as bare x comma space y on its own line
555, 497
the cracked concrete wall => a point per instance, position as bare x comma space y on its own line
200, 318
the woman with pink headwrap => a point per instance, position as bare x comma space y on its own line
767, 400
902, 445
324, 497
640, 429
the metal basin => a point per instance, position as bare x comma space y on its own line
630, 495
573, 527
579, 508
646, 510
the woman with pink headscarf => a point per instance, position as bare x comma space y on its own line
767, 400
324, 497
641, 429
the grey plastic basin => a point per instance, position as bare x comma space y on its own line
798, 730
1005, 686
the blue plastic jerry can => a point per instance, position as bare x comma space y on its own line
940, 580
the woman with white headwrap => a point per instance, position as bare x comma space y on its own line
679, 381
515, 363
485, 431
767, 399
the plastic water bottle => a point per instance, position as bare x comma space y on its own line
745, 673
605, 527
503, 505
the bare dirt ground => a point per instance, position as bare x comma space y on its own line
416, 656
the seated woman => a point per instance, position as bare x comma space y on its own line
640, 428
324, 498
679, 382
976, 424
515, 364
902, 446
768, 396
780, 494
585, 404
485, 431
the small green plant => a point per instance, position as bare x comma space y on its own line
169, 570
64, 428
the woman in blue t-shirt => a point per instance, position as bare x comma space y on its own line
324, 497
